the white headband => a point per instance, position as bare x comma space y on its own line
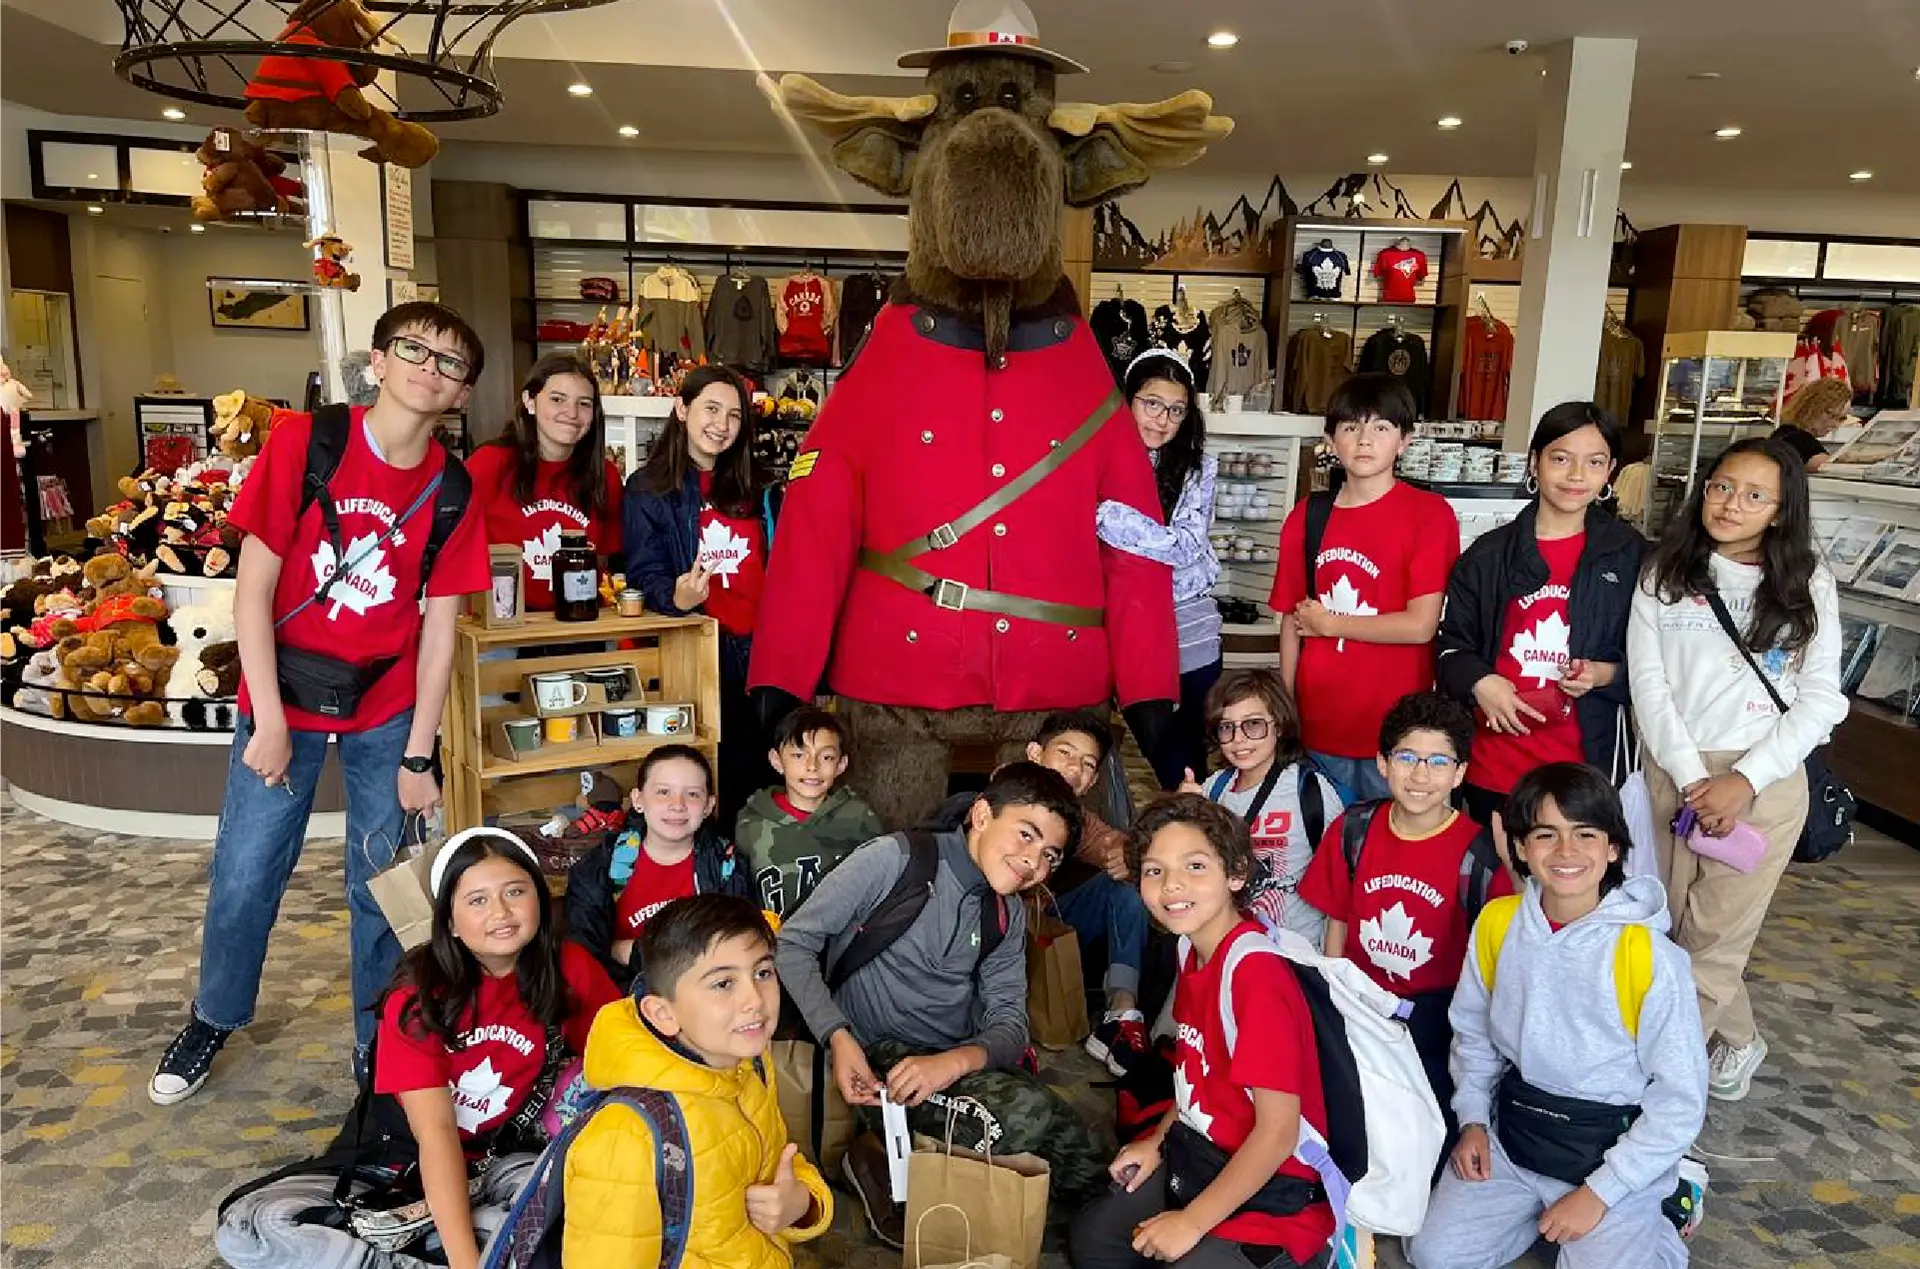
441, 857
1168, 353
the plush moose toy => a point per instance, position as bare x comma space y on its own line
244, 178
937, 557
325, 95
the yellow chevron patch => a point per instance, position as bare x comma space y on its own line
803, 465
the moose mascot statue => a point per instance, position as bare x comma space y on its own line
936, 560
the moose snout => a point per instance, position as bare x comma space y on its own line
996, 190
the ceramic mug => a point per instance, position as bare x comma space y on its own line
523, 734
559, 691
563, 730
669, 720
618, 724
612, 680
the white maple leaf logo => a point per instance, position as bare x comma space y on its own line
1190, 1113
722, 551
1542, 651
367, 585
538, 553
1345, 600
479, 1097
1393, 944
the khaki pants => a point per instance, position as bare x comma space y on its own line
1717, 911
903, 756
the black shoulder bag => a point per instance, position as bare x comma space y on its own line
1831, 806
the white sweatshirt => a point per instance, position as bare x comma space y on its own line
1694, 693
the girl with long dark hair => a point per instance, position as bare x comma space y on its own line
480, 1018
1160, 388
548, 473
1740, 554
699, 524
1534, 630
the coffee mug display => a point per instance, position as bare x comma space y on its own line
559, 691
669, 720
620, 723
611, 680
523, 734
564, 730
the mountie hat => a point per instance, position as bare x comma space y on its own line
1001, 27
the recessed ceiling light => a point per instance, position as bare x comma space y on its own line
1862, 175
96, 209
1626, 165
174, 113
93, 176
198, 229
1726, 134
581, 89
1704, 75
1450, 122
1376, 159
1222, 39
1171, 68
628, 130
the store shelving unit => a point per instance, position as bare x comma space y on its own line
1715, 388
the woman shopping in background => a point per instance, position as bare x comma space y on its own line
1533, 634
1715, 741
698, 525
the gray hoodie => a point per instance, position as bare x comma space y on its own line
921, 991
1554, 1014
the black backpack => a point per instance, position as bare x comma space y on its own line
1478, 867
895, 914
327, 446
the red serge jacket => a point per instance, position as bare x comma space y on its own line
918, 431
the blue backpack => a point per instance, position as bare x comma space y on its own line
530, 1236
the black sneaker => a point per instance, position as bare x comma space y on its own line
184, 1066
865, 1168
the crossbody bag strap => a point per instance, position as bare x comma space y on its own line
1746, 654
342, 568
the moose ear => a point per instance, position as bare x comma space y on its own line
1112, 149
1100, 168
875, 139
879, 159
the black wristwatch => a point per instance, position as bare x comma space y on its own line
419, 766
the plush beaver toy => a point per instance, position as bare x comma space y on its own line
937, 564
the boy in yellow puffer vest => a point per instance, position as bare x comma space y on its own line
696, 1027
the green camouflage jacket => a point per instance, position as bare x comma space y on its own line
788, 857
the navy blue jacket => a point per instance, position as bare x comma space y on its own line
719, 867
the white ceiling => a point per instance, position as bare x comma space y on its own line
1820, 90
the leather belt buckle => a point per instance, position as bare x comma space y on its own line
947, 594
942, 538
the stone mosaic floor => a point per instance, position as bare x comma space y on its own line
1819, 1169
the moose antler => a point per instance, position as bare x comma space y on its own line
839, 116
1163, 134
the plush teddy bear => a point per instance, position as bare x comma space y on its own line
115, 655
323, 95
331, 253
208, 656
37, 694
241, 423
244, 178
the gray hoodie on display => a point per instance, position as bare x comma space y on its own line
921, 991
1554, 1014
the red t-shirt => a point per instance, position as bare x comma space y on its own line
372, 612
504, 1047
1274, 1050
781, 800
805, 301
535, 527
1373, 559
652, 887
734, 548
1398, 272
1406, 928
1533, 652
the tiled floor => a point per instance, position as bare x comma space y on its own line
1819, 1169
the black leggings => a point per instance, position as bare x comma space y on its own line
1102, 1237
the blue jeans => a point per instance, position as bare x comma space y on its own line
1102, 908
262, 828
1358, 779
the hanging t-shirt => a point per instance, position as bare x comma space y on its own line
1323, 272
535, 527
741, 331
652, 887
1406, 927
1274, 1050
503, 1047
1623, 360
806, 317
1280, 839
862, 296
1486, 369
1404, 356
734, 549
1195, 343
1400, 271
1120, 327
1373, 559
1239, 348
1318, 362
372, 612
1533, 651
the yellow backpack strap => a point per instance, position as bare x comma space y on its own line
1632, 974
1490, 934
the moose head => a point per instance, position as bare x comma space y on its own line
988, 157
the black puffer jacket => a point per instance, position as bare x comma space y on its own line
719, 867
1504, 565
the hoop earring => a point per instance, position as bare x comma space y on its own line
1531, 486
1606, 492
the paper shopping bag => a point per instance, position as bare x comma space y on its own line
1056, 993
962, 1205
819, 1120
993, 1260
403, 893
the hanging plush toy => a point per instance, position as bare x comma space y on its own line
330, 256
944, 576
244, 178
325, 95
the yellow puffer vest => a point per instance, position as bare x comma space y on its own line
737, 1135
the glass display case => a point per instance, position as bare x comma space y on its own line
1716, 387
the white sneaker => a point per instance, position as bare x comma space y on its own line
1730, 1071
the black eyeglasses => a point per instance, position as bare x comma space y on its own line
414, 353
1156, 409
1251, 728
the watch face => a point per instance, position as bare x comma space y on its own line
420, 766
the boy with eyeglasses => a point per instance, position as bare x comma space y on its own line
1402, 880
1361, 578
359, 546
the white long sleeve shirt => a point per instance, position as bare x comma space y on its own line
1694, 693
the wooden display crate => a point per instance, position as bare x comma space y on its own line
673, 659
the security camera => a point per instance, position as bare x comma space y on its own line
1516, 47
